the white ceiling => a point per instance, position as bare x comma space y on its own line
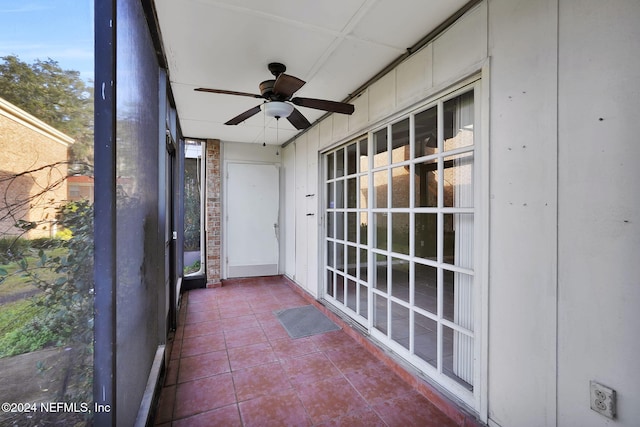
334, 45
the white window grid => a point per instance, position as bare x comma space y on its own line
365, 316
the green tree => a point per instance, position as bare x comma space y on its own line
58, 97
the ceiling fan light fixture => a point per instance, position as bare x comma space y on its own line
277, 109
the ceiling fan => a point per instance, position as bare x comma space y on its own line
278, 94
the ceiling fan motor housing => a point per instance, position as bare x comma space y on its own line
266, 89
277, 68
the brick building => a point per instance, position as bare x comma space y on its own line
80, 187
33, 171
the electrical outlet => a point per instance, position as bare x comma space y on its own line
603, 399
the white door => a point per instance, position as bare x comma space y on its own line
252, 219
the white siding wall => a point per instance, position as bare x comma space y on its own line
301, 254
564, 205
250, 153
312, 212
523, 191
599, 222
288, 210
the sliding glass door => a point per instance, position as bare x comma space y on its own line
399, 236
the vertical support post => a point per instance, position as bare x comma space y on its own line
104, 375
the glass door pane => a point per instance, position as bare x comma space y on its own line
352, 159
352, 295
380, 317
400, 324
380, 278
457, 356
363, 271
347, 218
426, 288
400, 279
426, 339
426, 184
426, 133
381, 148
400, 233
363, 308
400, 151
400, 182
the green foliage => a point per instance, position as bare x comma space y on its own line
15, 314
58, 97
13, 245
72, 291
44, 243
192, 268
13, 278
191, 206
28, 328
64, 308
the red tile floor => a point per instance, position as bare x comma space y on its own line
233, 364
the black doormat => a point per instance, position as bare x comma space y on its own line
305, 321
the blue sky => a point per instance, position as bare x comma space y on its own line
40, 29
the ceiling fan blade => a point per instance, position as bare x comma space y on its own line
298, 120
287, 85
323, 104
227, 92
244, 116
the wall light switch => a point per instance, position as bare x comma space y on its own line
603, 399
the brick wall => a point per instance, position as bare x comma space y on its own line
27, 144
213, 212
